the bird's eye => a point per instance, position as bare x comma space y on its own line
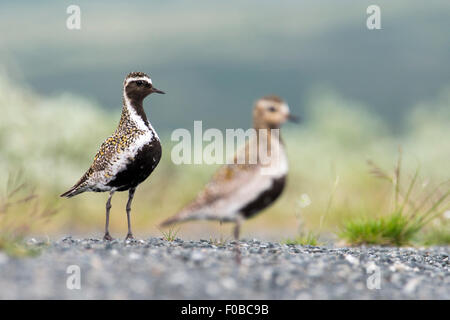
139, 83
272, 109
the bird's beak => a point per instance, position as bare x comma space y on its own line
293, 118
157, 91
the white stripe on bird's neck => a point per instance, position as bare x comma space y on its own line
137, 119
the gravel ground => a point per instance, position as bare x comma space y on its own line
158, 269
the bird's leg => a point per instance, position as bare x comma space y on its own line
107, 236
130, 199
237, 230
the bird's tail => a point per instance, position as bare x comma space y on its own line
177, 218
78, 188
182, 216
72, 192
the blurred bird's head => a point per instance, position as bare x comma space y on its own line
271, 112
138, 85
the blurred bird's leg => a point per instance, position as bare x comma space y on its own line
130, 199
107, 236
237, 230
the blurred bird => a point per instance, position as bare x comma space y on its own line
241, 189
130, 155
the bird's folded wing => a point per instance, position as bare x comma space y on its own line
227, 180
231, 188
99, 171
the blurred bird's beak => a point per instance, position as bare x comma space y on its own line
293, 118
158, 91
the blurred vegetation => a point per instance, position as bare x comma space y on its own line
21, 212
304, 239
413, 210
170, 234
53, 140
437, 236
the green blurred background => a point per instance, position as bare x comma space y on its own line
361, 94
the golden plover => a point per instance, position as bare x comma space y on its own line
240, 190
130, 155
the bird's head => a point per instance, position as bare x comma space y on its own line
138, 85
271, 112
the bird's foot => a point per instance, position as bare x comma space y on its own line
237, 257
107, 237
129, 237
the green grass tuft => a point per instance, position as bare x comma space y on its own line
219, 242
171, 234
394, 230
304, 239
408, 218
16, 247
